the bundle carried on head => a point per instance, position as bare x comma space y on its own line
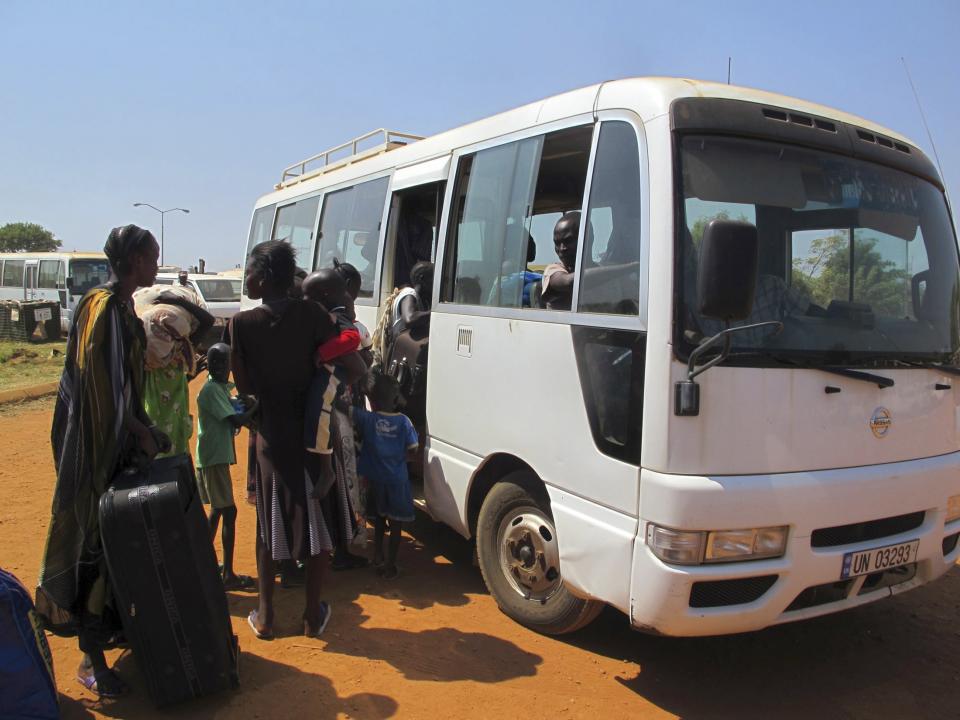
168, 327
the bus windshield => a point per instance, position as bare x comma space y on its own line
220, 290
858, 260
88, 274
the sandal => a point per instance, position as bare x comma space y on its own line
239, 582
266, 634
311, 633
96, 684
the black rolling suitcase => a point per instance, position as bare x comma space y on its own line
166, 582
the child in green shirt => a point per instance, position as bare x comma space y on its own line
219, 419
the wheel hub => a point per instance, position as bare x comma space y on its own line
529, 556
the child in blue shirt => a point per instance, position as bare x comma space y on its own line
389, 442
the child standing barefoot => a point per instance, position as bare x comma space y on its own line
389, 441
218, 418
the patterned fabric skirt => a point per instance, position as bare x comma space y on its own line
290, 521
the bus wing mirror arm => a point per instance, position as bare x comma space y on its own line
686, 395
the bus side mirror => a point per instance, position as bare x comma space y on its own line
727, 275
726, 281
70, 283
918, 288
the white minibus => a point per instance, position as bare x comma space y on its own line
61, 277
745, 411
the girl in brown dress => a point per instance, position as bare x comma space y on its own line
273, 348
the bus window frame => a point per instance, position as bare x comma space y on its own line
573, 316
329, 189
316, 222
59, 272
374, 299
23, 270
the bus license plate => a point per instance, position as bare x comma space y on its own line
877, 559
42, 314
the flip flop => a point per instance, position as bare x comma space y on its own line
239, 582
91, 683
265, 635
325, 607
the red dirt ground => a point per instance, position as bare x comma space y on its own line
434, 645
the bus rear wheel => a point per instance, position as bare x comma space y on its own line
520, 559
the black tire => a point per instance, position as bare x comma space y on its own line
559, 611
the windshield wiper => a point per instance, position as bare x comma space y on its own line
879, 380
948, 369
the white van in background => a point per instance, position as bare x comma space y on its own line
62, 277
219, 295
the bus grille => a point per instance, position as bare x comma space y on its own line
950, 543
886, 578
720, 593
860, 532
821, 595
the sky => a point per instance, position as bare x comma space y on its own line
201, 105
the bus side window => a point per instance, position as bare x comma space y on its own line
509, 198
295, 225
13, 273
50, 271
610, 272
350, 229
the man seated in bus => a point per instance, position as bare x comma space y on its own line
558, 277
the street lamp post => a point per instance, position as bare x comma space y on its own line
162, 213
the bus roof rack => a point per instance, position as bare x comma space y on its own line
383, 141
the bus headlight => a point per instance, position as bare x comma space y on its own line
953, 508
753, 544
686, 547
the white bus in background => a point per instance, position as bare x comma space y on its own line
608, 454
219, 295
62, 277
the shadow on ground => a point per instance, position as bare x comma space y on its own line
897, 658
443, 654
268, 689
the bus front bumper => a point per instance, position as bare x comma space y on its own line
844, 505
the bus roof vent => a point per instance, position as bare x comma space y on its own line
799, 119
355, 150
882, 141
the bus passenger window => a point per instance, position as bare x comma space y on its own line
13, 273
260, 227
295, 225
509, 198
51, 274
610, 276
350, 229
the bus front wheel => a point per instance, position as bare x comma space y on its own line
520, 558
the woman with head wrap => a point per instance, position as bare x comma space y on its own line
273, 351
99, 427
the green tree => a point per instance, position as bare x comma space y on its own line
825, 274
29, 237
